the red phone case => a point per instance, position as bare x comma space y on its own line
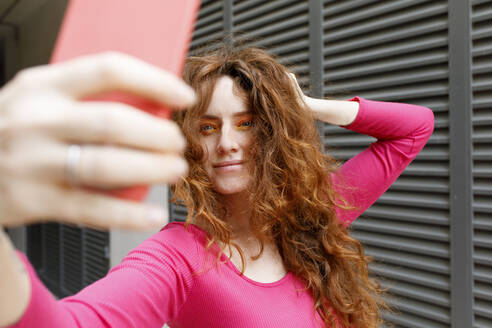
156, 31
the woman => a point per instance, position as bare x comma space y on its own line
265, 244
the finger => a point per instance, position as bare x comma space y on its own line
44, 159
107, 122
112, 71
293, 78
94, 210
37, 202
97, 166
112, 167
295, 84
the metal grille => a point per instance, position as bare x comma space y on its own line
280, 26
209, 26
397, 51
72, 254
67, 258
482, 160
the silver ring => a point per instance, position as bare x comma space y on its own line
74, 153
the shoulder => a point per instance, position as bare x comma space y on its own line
177, 234
173, 243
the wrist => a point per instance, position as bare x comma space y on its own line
311, 104
336, 112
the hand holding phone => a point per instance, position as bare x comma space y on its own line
155, 31
41, 119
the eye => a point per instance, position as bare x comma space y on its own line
207, 129
246, 124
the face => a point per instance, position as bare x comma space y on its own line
226, 137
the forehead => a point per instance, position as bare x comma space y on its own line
225, 101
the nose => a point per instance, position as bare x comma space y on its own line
228, 142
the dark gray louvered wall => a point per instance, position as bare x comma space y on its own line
280, 26
397, 51
209, 26
394, 51
482, 160
68, 258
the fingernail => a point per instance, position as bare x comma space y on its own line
156, 215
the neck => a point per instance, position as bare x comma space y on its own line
238, 216
238, 213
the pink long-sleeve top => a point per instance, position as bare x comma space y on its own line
163, 281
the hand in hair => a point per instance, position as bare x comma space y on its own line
301, 96
336, 112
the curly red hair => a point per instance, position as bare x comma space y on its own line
291, 194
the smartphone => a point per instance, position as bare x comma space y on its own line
156, 31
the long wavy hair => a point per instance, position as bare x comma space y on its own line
291, 195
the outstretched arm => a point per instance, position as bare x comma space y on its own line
146, 290
42, 117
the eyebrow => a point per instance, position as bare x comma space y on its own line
212, 117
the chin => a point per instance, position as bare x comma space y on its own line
231, 187
229, 190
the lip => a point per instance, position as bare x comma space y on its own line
227, 163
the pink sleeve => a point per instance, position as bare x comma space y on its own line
147, 289
401, 131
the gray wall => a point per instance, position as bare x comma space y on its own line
122, 241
